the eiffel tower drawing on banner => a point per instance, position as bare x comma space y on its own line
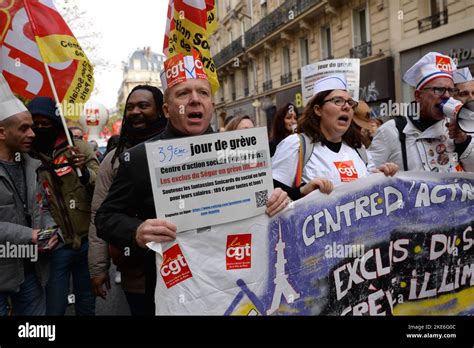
282, 286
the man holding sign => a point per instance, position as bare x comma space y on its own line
127, 218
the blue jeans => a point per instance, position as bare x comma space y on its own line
64, 262
30, 300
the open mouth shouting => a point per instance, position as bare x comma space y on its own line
343, 120
195, 116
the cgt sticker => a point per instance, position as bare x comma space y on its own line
347, 171
239, 251
174, 269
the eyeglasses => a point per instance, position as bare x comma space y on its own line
339, 101
440, 91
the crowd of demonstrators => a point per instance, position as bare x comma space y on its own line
112, 143
375, 123
95, 148
331, 144
283, 125
24, 211
68, 176
239, 122
143, 119
425, 140
464, 82
127, 217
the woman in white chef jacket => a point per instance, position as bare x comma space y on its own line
327, 122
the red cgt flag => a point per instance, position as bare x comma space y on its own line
32, 32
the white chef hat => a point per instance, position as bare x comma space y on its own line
9, 104
431, 66
462, 75
329, 83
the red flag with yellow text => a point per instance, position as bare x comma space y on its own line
33, 32
189, 25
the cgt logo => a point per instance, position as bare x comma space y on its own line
174, 269
347, 171
239, 251
444, 64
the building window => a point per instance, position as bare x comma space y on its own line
137, 64
267, 71
438, 15
326, 47
286, 60
361, 27
232, 86
263, 8
304, 51
245, 81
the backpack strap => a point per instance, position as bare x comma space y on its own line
362, 152
304, 154
400, 123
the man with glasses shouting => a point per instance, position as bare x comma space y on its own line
426, 139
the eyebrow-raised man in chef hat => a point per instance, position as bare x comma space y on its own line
431, 143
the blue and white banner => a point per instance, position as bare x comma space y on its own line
377, 246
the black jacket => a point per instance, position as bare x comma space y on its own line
129, 203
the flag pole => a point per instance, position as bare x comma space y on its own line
51, 82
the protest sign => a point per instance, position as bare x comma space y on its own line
211, 179
350, 67
375, 246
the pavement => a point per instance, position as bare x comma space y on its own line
115, 304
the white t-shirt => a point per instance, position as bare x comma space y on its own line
343, 166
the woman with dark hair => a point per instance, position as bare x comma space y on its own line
283, 125
332, 141
143, 119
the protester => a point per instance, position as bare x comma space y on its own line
283, 125
424, 140
375, 123
95, 148
362, 122
112, 143
332, 144
240, 122
143, 118
69, 196
127, 217
77, 132
23, 211
463, 80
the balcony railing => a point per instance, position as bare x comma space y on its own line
433, 21
229, 52
267, 85
268, 25
286, 78
362, 51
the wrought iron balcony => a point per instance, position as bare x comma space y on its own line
265, 27
433, 21
267, 85
286, 78
276, 19
229, 52
362, 51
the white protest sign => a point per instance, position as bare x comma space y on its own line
350, 67
210, 179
